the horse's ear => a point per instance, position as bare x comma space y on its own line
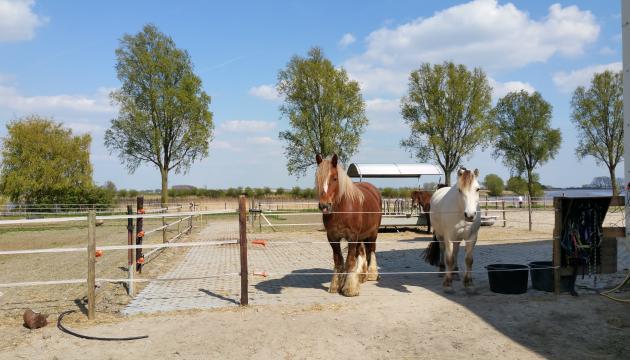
334, 160
476, 172
318, 158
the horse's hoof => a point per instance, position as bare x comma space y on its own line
373, 277
333, 290
448, 290
471, 290
349, 292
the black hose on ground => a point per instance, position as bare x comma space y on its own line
87, 337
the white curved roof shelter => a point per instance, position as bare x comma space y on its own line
392, 170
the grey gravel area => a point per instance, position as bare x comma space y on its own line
299, 272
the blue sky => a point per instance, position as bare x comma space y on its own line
57, 59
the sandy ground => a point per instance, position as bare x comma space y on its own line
428, 325
422, 322
43, 267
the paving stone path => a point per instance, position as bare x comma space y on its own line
299, 273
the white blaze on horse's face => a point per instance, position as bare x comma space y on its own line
468, 187
326, 182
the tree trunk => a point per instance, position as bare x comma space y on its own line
613, 181
529, 197
447, 177
164, 198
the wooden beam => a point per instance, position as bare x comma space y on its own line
557, 233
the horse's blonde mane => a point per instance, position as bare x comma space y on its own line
465, 179
346, 186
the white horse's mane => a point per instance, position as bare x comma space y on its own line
346, 186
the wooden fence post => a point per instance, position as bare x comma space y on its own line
91, 255
130, 252
139, 233
504, 218
242, 225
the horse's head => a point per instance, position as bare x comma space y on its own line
326, 182
468, 187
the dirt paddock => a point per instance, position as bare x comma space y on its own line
293, 317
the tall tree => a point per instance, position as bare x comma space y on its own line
598, 116
163, 114
43, 162
494, 184
447, 109
524, 137
325, 110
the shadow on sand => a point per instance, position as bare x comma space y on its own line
533, 319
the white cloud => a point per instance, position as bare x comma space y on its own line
85, 127
12, 99
607, 50
5, 78
223, 145
267, 92
346, 40
500, 89
479, 33
18, 21
261, 140
568, 81
247, 126
384, 114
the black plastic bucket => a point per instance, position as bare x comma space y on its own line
508, 278
542, 277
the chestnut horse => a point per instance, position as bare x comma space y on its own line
351, 211
422, 199
456, 218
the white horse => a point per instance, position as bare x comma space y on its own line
455, 217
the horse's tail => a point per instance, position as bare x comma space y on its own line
432, 252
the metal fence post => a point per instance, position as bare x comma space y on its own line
164, 239
91, 256
130, 252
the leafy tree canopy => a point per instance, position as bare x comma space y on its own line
325, 109
494, 184
163, 114
43, 162
598, 116
447, 109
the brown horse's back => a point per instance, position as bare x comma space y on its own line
350, 218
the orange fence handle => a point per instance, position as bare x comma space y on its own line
259, 242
